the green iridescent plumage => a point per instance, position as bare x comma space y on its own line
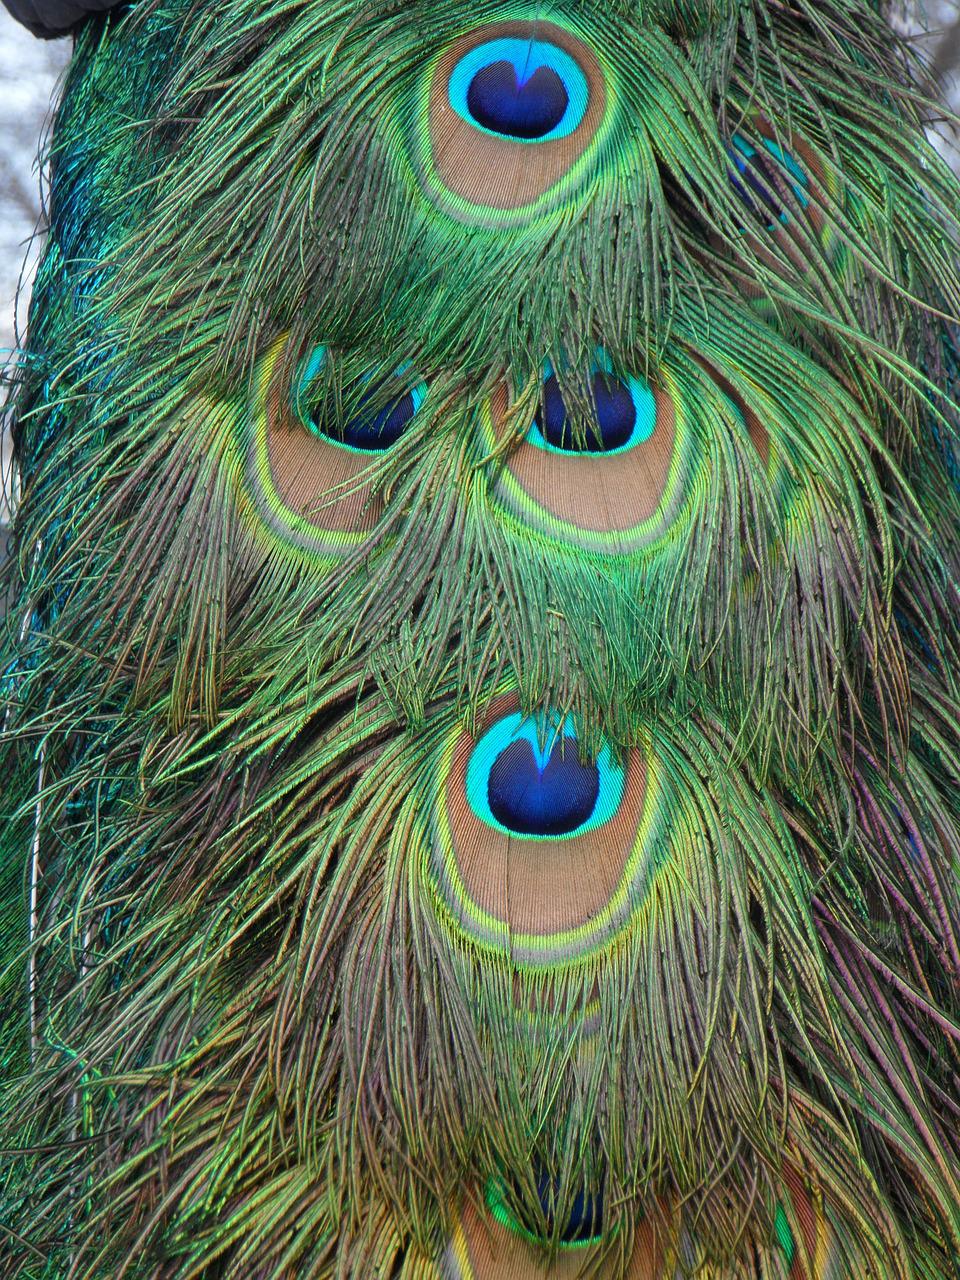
409, 847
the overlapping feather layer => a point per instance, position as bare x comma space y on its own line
481, 696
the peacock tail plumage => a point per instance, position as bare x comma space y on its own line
481, 703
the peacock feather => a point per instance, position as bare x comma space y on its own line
481, 704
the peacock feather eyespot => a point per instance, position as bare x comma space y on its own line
624, 414
308, 473
374, 414
528, 89
616, 483
534, 851
583, 1220
489, 1239
506, 115
759, 178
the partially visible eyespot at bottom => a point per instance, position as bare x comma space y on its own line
582, 1219
488, 1244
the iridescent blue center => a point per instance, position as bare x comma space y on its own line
622, 413
538, 798
525, 777
526, 89
754, 179
373, 427
377, 418
503, 102
585, 1220
614, 410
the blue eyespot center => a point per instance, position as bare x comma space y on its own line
542, 799
374, 428
376, 418
501, 101
527, 779
585, 1220
526, 89
754, 179
622, 413
614, 411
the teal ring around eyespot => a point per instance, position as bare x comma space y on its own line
644, 404
516, 728
526, 57
310, 369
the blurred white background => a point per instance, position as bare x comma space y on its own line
30, 69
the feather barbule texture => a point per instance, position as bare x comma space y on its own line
480, 707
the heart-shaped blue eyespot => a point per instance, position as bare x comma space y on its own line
550, 797
624, 414
528, 779
753, 178
527, 90
499, 100
376, 419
